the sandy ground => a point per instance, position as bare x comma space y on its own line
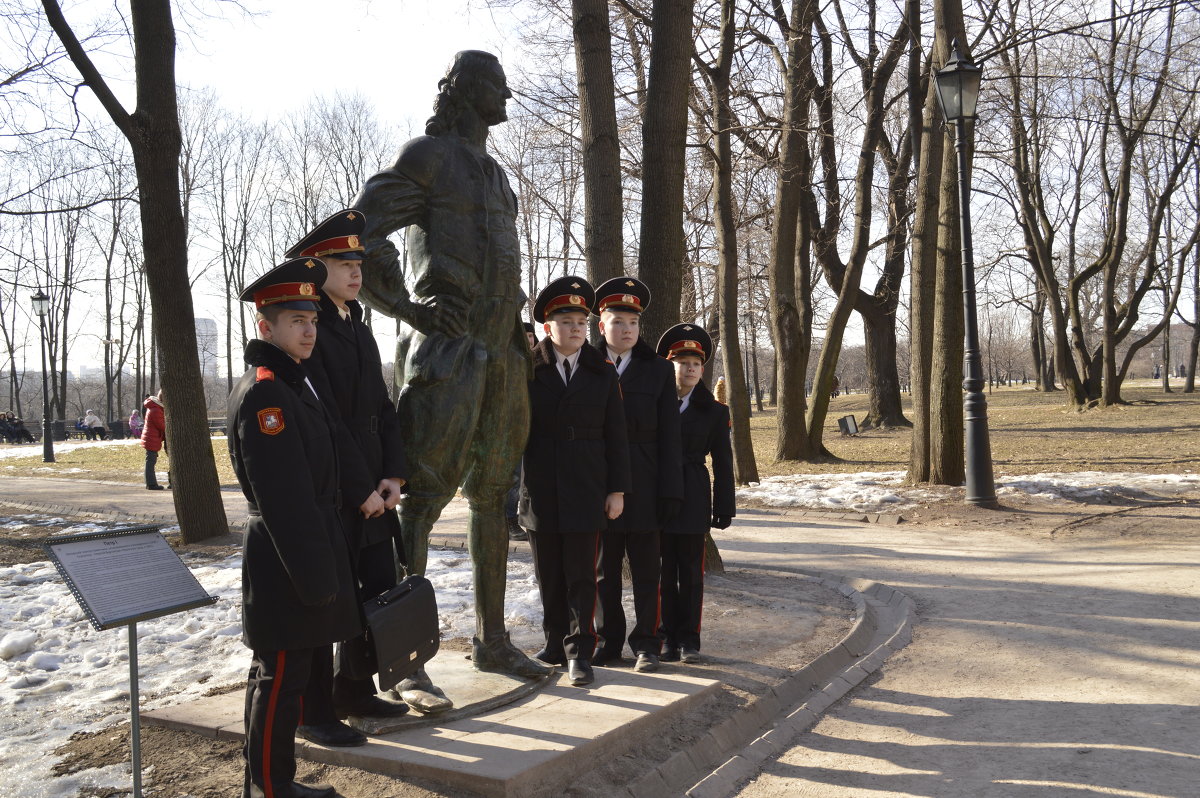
1057, 654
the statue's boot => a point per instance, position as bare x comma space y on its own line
416, 521
487, 539
420, 693
501, 656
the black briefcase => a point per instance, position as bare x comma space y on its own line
402, 629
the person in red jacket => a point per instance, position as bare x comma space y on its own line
154, 436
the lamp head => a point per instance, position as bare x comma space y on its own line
41, 304
958, 86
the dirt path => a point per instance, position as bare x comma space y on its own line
1042, 665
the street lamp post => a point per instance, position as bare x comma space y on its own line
745, 319
41, 306
958, 93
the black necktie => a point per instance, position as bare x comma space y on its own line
618, 363
567, 370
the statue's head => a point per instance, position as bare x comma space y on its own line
474, 80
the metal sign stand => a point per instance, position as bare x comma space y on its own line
135, 720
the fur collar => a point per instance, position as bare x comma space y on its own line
641, 350
589, 358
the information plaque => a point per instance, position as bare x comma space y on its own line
122, 576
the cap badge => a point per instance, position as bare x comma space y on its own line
351, 216
574, 285
629, 283
309, 265
576, 300
352, 241
307, 289
688, 327
628, 298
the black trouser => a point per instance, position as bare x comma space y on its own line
151, 473
644, 567
682, 589
565, 566
376, 573
275, 688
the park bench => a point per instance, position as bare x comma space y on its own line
216, 426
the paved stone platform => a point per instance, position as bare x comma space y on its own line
506, 737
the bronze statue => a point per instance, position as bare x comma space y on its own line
464, 407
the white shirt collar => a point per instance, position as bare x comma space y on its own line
686, 400
560, 358
625, 358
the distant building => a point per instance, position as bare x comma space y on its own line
207, 347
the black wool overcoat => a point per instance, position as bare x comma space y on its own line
652, 424
347, 372
705, 431
577, 452
297, 584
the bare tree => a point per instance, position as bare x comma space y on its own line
153, 133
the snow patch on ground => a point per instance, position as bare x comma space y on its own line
883, 491
61, 447
59, 676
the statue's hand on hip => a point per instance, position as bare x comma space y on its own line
443, 314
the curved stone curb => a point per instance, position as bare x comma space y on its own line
883, 626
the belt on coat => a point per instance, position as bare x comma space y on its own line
570, 433
369, 424
336, 504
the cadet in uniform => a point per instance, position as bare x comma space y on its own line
705, 432
512, 499
297, 589
576, 471
652, 420
347, 371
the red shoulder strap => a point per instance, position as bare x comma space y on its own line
263, 373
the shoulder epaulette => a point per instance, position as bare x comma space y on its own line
263, 373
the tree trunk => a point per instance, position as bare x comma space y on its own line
790, 265
883, 376
155, 140
745, 469
922, 283
946, 463
664, 142
602, 206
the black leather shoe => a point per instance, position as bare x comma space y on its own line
669, 655
299, 790
371, 707
296, 790
515, 532
334, 734
154, 487
690, 655
555, 658
646, 662
579, 671
604, 657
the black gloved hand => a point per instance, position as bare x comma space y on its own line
668, 510
721, 521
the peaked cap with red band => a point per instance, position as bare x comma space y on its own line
292, 284
339, 236
566, 294
685, 339
626, 294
